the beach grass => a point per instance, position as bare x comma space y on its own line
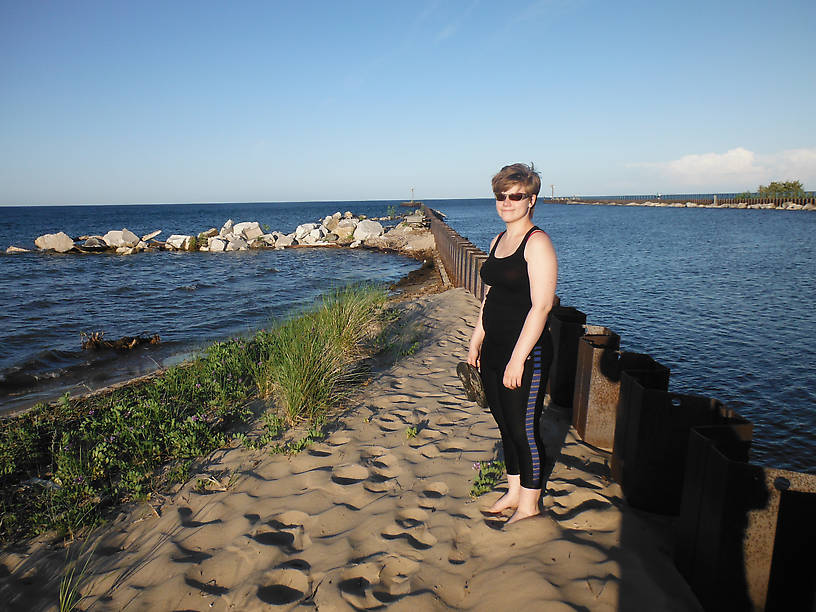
308, 363
64, 466
490, 474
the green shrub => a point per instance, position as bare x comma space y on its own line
490, 473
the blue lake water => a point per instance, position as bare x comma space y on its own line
725, 298
189, 299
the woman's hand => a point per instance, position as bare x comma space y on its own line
512, 374
474, 357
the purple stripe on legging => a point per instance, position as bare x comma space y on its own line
530, 416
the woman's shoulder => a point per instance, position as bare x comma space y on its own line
539, 236
538, 243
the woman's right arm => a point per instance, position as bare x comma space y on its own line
475, 346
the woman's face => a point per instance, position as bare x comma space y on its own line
513, 210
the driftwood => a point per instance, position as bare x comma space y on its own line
95, 340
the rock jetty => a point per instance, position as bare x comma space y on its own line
751, 205
410, 236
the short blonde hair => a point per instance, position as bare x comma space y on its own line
517, 174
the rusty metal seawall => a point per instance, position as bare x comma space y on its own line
461, 258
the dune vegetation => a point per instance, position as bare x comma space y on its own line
66, 465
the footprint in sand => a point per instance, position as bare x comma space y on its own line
410, 524
338, 440
349, 474
430, 434
432, 495
284, 586
288, 531
320, 450
357, 586
399, 398
452, 445
375, 583
405, 414
446, 421
380, 485
217, 575
461, 546
389, 423
185, 514
373, 451
384, 467
435, 490
429, 451
395, 576
188, 555
113, 544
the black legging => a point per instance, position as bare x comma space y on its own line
518, 412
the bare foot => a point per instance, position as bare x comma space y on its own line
520, 516
506, 501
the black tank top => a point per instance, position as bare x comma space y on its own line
508, 301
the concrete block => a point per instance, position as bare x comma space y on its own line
654, 454
597, 387
745, 534
566, 327
639, 372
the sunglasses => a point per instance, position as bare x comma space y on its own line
515, 197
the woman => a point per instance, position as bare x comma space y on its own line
510, 344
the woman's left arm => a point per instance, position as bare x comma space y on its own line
542, 268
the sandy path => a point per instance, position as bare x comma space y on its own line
371, 517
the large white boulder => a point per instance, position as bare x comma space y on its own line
181, 242
217, 245
227, 227
59, 242
237, 244
331, 222
251, 233
248, 230
303, 229
118, 238
284, 241
367, 229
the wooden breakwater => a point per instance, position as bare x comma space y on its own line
744, 533
462, 259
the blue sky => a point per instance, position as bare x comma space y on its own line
120, 102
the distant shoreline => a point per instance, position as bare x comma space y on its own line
787, 206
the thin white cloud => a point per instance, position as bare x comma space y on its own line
446, 32
539, 12
452, 28
738, 167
